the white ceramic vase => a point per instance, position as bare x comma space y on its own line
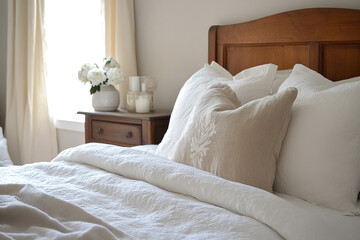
107, 99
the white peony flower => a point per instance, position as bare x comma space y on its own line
96, 76
110, 74
110, 63
83, 72
115, 76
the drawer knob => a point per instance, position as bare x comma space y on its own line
100, 131
129, 134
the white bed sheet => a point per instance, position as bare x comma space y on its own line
351, 223
102, 190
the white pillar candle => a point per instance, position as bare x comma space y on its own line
142, 103
134, 84
144, 83
143, 86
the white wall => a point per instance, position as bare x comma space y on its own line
3, 45
67, 139
172, 35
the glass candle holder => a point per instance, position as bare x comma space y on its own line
130, 100
142, 102
152, 101
147, 84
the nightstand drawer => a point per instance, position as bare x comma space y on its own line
128, 134
125, 129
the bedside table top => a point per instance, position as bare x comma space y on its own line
157, 114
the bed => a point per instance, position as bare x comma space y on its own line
255, 164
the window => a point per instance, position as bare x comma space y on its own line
74, 34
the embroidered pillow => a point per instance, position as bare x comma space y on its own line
238, 143
246, 86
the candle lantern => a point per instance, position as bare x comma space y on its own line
140, 98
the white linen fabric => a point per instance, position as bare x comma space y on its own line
220, 70
254, 83
147, 148
280, 77
95, 188
185, 101
4, 155
237, 142
246, 86
319, 160
27, 213
351, 223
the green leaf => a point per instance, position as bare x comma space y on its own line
94, 89
107, 62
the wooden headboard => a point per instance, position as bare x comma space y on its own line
325, 39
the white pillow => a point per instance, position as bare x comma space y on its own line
238, 143
188, 95
220, 70
198, 83
280, 77
320, 156
4, 155
254, 83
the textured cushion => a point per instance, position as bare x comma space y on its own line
254, 83
280, 77
320, 158
4, 155
199, 82
238, 143
221, 71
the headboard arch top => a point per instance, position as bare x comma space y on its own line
324, 39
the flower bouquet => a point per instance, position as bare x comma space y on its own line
109, 74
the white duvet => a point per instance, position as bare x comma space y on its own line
98, 191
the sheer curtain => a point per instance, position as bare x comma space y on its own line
29, 130
120, 39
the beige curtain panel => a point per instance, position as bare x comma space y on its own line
29, 130
120, 39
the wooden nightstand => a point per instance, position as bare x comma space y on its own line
125, 129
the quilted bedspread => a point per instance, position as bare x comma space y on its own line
99, 191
